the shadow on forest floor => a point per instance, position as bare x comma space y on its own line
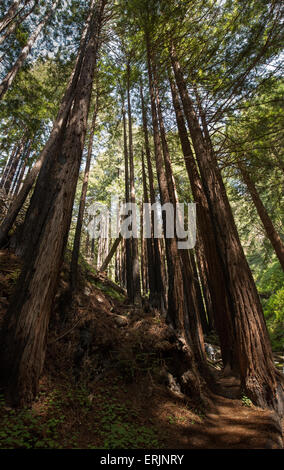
107, 385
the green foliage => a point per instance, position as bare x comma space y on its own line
24, 429
275, 306
108, 290
271, 279
271, 288
110, 422
119, 430
176, 419
12, 278
246, 401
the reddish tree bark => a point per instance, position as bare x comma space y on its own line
191, 284
157, 285
259, 377
136, 293
128, 244
80, 219
58, 125
210, 261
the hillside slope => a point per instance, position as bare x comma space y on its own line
113, 378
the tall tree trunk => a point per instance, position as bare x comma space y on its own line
60, 122
23, 158
210, 261
161, 248
175, 312
123, 263
24, 333
8, 17
21, 175
8, 165
15, 24
191, 284
270, 230
176, 298
128, 244
14, 166
19, 201
157, 286
78, 231
148, 246
134, 240
20, 179
205, 283
111, 253
87, 245
198, 288
144, 255
259, 377
9, 78
17, 174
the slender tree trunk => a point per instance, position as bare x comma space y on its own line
204, 278
23, 158
25, 161
8, 165
270, 230
20, 179
157, 286
175, 290
14, 166
99, 253
134, 240
110, 254
106, 241
210, 262
60, 122
161, 249
176, 298
17, 174
80, 219
123, 264
200, 303
149, 245
15, 24
255, 357
128, 244
48, 219
11, 13
87, 245
19, 201
8, 80
144, 254
191, 284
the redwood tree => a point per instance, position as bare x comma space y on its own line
259, 377
47, 223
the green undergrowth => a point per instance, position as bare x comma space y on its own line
90, 273
271, 288
78, 417
120, 427
25, 429
108, 290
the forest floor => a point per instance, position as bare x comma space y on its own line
109, 382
